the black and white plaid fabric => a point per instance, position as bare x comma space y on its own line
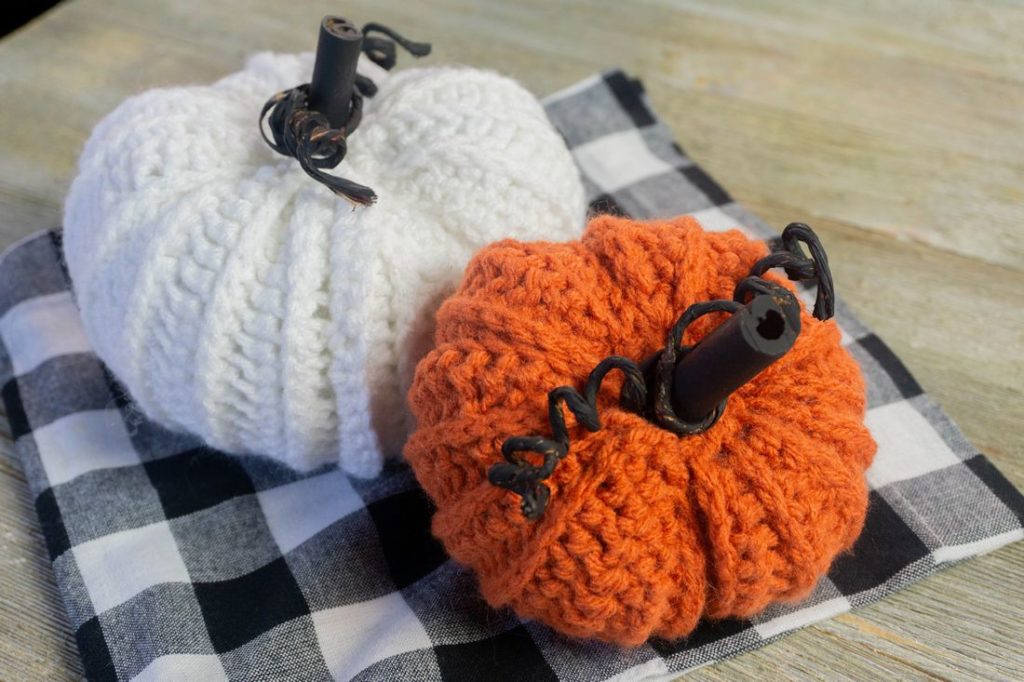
179, 562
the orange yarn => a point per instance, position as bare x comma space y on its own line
646, 532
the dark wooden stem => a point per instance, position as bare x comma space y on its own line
755, 336
334, 72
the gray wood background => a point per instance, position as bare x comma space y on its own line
896, 128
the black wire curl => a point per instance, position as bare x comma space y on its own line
647, 389
307, 135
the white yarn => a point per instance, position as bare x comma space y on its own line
238, 299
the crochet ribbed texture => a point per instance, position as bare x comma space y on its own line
646, 532
240, 300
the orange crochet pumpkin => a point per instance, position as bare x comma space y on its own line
646, 532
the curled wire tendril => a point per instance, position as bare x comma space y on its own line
305, 134
647, 389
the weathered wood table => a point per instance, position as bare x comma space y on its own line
895, 129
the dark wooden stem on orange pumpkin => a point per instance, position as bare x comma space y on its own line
735, 352
334, 72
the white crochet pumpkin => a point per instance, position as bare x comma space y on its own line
240, 300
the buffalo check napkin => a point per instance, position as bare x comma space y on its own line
179, 562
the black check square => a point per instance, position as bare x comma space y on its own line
92, 645
708, 632
197, 479
16, 417
511, 655
237, 611
403, 529
885, 547
52, 523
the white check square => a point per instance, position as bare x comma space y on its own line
117, 567
297, 511
82, 442
42, 328
356, 636
716, 220
802, 617
183, 668
982, 546
908, 446
845, 338
618, 160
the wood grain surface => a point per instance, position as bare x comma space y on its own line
895, 128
